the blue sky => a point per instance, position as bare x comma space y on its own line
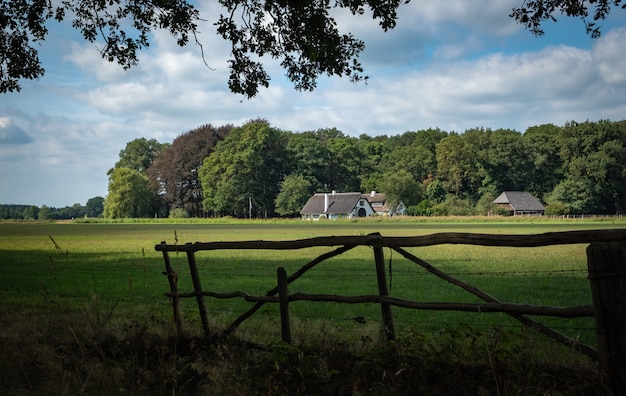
452, 65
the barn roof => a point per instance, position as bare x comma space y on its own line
519, 201
338, 203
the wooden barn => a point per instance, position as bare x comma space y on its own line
520, 203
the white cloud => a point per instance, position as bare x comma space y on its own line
611, 58
480, 15
457, 50
516, 91
12, 134
69, 156
87, 58
497, 90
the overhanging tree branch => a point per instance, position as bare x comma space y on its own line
533, 13
302, 35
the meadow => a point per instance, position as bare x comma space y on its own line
105, 281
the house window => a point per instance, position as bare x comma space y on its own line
361, 203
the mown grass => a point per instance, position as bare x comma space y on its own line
94, 291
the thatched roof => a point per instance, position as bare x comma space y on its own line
338, 203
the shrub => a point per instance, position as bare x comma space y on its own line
557, 208
453, 206
178, 213
424, 208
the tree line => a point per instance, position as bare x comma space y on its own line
93, 208
261, 171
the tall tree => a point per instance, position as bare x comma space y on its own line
129, 196
577, 194
174, 173
372, 149
308, 156
31, 212
247, 166
94, 207
139, 154
450, 159
295, 190
505, 161
44, 213
303, 36
542, 145
427, 138
594, 153
401, 186
343, 165
328, 158
414, 152
417, 160
459, 165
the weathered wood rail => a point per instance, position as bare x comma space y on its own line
606, 258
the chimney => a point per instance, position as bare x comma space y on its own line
334, 192
373, 193
325, 202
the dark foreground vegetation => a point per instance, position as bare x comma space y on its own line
95, 353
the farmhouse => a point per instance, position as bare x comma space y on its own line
336, 205
520, 203
381, 205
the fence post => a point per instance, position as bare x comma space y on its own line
172, 278
197, 287
283, 295
383, 290
607, 276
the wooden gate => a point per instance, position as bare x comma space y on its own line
606, 258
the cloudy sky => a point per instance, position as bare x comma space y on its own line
454, 65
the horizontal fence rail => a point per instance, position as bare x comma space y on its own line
558, 312
606, 257
532, 240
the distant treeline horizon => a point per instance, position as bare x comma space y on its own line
93, 208
577, 168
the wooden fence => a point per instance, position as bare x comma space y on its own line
606, 259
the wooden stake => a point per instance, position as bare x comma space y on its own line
197, 286
383, 290
607, 277
172, 278
283, 294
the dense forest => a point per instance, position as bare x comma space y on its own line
577, 168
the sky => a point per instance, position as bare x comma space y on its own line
452, 65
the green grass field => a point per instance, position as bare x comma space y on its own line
110, 275
72, 265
